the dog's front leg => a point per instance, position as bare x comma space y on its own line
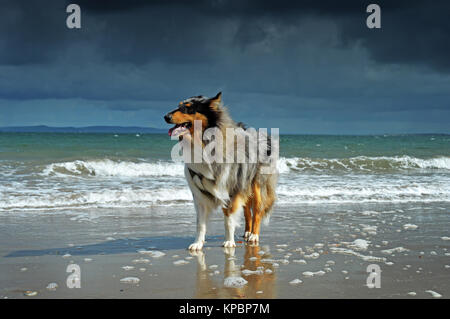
202, 220
231, 219
229, 231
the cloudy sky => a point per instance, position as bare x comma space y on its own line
303, 66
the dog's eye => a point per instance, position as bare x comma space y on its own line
186, 110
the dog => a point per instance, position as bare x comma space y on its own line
232, 186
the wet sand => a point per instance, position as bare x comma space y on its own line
326, 247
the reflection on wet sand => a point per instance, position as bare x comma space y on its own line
261, 284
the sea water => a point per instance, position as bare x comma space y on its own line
58, 171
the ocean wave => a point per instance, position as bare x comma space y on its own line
107, 167
98, 199
112, 168
362, 164
357, 193
288, 193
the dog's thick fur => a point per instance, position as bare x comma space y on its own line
231, 186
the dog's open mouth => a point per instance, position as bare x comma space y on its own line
180, 129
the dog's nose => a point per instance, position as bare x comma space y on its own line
168, 118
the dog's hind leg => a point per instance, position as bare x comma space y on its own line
231, 216
248, 218
257, 213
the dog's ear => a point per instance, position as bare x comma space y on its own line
216, 101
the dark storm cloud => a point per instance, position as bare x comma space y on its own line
314, 60
412, 31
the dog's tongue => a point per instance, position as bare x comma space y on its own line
176, 130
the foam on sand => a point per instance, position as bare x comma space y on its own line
295, 281
313, 273
434, 294
234, 282
130, 280
344, 251
394, 250
141, 261
410, 227
247, 272
312, 256
126, 268
152, 253
30, 293
359, 244
52, 286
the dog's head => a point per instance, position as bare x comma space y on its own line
197, 108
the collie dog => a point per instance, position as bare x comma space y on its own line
233, 186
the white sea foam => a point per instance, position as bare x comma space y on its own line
394, 250
52, 286
434, 294
234, 282
313, 273
247, 272
152, 253
331, 190
362, 163
102, 198
108, 167
359, 244
130, 280
350, 252
106, 183
410, 227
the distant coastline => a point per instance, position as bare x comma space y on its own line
85, 129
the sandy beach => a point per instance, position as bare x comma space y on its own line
331, 117
309, 251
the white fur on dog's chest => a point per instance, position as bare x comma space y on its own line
201, 181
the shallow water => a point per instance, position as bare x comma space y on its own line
327, 240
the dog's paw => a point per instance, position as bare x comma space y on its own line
247, 235
229, 244
253, 238
196, 246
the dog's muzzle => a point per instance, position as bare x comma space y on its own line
168, 118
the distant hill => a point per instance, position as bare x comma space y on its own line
87, 129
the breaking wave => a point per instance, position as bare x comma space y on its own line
363, 192
113, 183
363, 164
111, 168
101, 198
107, 167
